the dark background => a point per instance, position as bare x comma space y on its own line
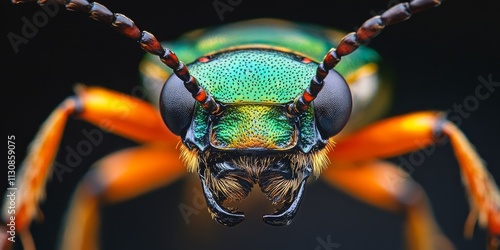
437, 57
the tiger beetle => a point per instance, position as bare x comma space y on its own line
261, 102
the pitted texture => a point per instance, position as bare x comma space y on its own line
251, 76
253, 126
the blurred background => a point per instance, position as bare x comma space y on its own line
436, 57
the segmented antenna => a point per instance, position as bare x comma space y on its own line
147, 42
370, 29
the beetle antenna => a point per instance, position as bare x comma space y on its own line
368, 30
147, 42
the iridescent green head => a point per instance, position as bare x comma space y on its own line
254, 138
259, 117
253, 88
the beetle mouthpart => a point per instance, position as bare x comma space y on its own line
281, 179
285, 215
219, 214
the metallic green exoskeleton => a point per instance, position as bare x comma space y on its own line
254, 69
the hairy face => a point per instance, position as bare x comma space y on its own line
231, 176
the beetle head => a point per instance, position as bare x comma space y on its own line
253, 139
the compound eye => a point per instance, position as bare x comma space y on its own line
333, 105
176, 105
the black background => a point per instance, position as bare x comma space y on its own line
437, 57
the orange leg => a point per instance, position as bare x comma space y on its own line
113, 111
369, 182
403, 134
120, 176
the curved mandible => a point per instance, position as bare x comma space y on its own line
368, 30
147, 42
